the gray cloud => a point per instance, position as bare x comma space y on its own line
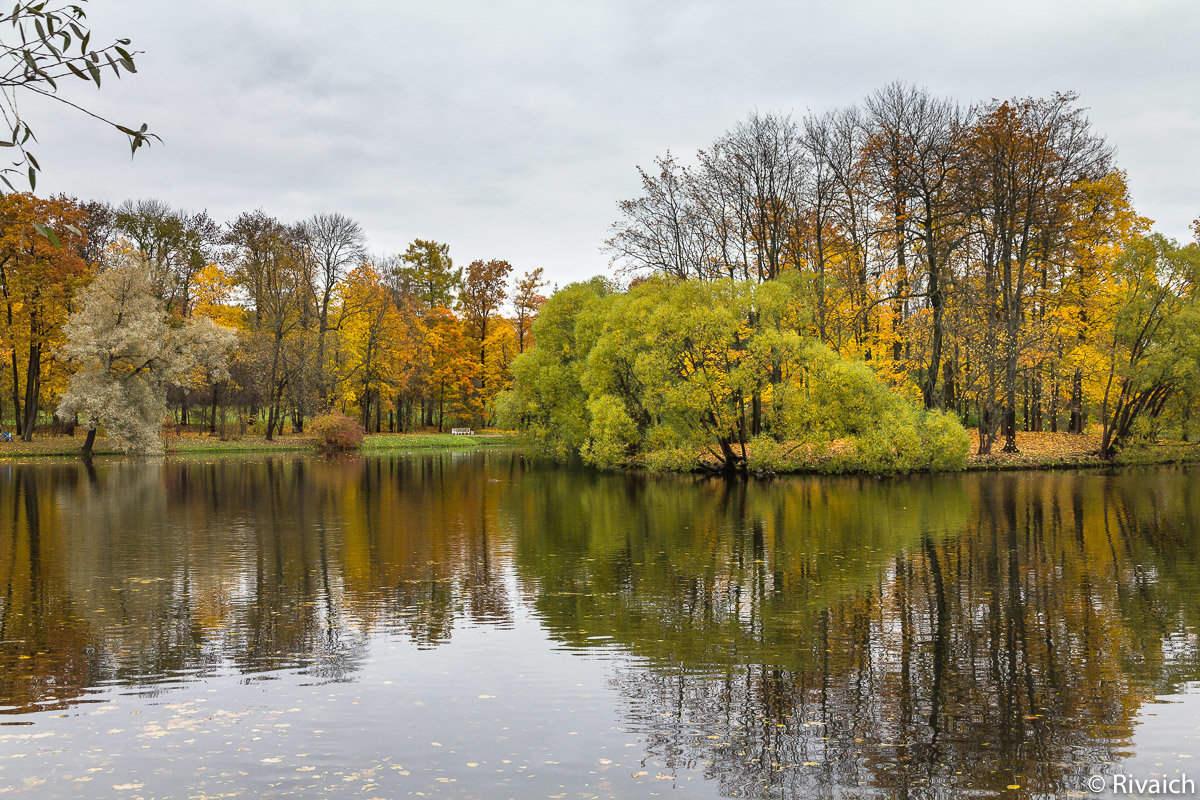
510, 129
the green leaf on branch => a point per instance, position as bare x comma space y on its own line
47, 232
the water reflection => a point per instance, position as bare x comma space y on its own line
918, 638
1013, 654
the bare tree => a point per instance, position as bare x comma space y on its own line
664, 230
917, 157
527, 299
337, 245
835, 144
757, 173
177, 244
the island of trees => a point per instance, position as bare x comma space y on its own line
846, 289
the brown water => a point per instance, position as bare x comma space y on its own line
472, 625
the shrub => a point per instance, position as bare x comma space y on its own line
671, 459
335, 431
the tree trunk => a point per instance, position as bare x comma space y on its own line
1077, 423
33, 381
898, 305
949, 396
1010, 399
1035, 420
88, 442
212, 422
18, 418
929, 390
1054, 404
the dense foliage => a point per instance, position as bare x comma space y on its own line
666, 374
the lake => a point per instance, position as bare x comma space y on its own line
477, 625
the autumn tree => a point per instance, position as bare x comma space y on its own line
919, 158
100, 232
484, 290
372, 333
125, 352
38, 277
215, 296
1151, 347
451, 364
843, 230
502, 348
177, 245
252, 238
1027, 160
527, 299
275, 268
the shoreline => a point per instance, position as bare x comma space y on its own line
1038, 451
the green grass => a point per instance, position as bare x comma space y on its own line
382, 442
291, 443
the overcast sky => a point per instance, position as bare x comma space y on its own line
511, 129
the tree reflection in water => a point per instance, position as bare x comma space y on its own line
928, 639
805, 637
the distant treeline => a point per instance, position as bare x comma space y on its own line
400, 341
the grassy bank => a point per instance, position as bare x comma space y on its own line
1036, 450
374, 443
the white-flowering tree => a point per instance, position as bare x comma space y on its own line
125, 352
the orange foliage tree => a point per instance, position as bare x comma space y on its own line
38, 279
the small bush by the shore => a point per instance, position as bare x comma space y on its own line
336, 432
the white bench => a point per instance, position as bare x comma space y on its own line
462, 432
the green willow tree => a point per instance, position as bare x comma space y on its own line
666, 375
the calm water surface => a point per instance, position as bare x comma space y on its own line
476, 626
